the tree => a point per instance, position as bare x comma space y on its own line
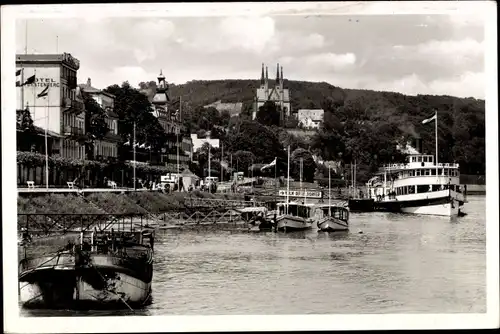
25, 125
242, 160
309, 166
95, 124
133, 107
254, 137
268, 114
24, 120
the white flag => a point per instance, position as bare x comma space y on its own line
425, 121
269, 165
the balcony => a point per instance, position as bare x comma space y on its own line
73, 106
74, 133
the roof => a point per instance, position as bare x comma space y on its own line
41, 131
187, 173
92, 90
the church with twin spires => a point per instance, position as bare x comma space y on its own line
270, 92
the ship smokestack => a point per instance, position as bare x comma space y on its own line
418, 145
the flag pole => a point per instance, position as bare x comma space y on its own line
436, 138
135, 181
329, 192
46, 145
179, 129
275, 181
34, 97
288, 181
221, 155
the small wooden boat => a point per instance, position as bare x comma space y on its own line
332, 218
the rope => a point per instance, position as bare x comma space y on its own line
108, 290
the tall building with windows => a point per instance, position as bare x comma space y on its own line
47, 87
106, 147
277, 93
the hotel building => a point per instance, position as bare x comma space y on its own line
62, 110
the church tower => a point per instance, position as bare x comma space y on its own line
272, 92
161, 97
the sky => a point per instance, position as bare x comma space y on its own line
411, 54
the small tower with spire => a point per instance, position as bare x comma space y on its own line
161, 97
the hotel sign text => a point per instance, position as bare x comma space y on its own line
43, 82
300, 193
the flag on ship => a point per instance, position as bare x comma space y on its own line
44, 92
269, 165
425, 121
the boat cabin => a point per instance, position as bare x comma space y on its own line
337, 212
294, 209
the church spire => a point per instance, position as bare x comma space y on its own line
281, 79
277, 75
262, 75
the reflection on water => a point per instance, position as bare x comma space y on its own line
386, 263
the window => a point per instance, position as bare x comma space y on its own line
446, 172
427, 172
413, 159
419, 159
417, 172
433, 171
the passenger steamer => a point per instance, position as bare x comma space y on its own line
419, 186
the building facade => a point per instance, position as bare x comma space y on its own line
310, 118
106, 147
275, 93
47, 87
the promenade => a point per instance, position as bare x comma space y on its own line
40, 190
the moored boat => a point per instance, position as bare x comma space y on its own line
294, 216
331, 218
112, 270
419, 186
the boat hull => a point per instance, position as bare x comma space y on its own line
330, 224
445, 204
292, 223
446, 209
107, 283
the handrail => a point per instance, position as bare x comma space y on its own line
412, 165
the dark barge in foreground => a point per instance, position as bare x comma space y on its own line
111, 270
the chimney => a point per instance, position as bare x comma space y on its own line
418, 147
88, 82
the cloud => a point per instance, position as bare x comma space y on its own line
466, 47
465, 85
331, 60
249, 33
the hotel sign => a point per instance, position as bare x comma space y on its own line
301, 193
43, 82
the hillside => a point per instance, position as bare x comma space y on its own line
461, 120
303, 94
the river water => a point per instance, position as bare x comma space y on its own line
398, 264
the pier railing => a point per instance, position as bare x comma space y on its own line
54, 223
